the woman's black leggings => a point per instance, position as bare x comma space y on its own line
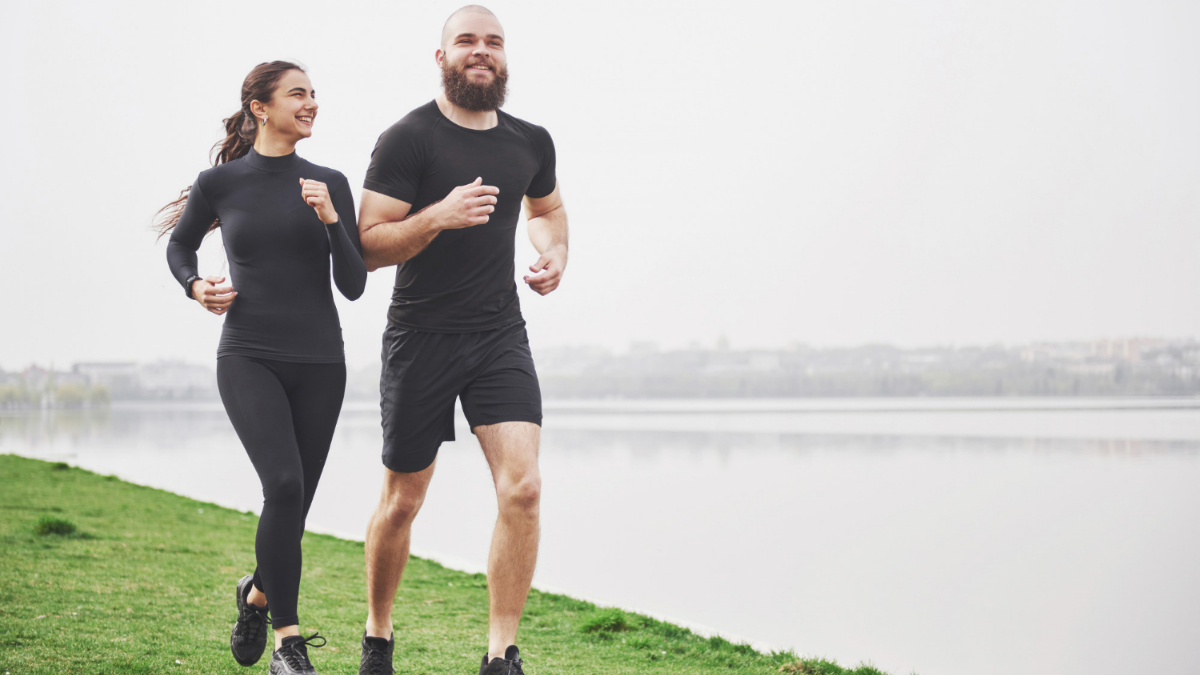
285, 414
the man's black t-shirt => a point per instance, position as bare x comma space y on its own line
464, 280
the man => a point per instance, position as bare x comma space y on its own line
441, 200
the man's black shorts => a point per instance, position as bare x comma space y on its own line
491, 371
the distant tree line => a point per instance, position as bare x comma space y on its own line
66, 395
1148, 368
1137, 367
1017, 382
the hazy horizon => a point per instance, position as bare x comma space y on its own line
635, 346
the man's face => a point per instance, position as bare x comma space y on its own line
473, 63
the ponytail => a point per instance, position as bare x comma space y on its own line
241, 128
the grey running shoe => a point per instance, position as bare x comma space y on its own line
249, 637
292, 657
376, 656
509, 665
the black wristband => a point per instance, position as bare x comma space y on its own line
187, 285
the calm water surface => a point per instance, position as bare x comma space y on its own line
941, 537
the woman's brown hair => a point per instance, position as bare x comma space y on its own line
240, 130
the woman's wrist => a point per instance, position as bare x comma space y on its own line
190, 283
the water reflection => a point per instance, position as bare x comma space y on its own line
166, 425
652, 442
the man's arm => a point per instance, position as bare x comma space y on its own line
384, 233
391, 236
547, 222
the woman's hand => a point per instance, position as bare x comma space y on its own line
215, 299
316, 195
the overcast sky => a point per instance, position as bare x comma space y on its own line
824, 172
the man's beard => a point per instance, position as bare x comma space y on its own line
474, 97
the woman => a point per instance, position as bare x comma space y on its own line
281, 367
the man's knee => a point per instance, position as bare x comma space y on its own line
403, 494
521, 493
399, 508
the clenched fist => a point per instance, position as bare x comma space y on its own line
467, 205
316, 195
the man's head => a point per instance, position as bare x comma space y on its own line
472, 59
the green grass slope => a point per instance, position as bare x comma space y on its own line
101, 576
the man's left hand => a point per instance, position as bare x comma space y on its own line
547, 271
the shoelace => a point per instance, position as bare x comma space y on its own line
255, 621
295, 654
377, 662
514, 667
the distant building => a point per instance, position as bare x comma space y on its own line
120, 378
161, 380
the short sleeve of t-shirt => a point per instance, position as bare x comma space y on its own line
397, 163
544, 182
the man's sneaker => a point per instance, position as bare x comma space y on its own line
249, 637
376, 656
292, 657
509, 665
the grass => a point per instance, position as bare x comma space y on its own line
54, 525
100, 576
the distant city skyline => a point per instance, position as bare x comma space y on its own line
1106, 346
1133, 367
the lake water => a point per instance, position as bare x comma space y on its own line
937, 536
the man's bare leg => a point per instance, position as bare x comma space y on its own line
388, 536
511, 449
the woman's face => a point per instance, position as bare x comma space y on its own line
292, 108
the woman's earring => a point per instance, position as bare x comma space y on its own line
264, 120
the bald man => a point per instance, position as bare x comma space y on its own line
441, 201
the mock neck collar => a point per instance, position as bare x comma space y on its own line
260, 161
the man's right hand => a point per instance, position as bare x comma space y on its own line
215, 299
467, 205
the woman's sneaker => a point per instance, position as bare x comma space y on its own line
292, 657
249, 637
509, 665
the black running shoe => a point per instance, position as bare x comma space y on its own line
376, 656
292, 657
509, 665
249, 637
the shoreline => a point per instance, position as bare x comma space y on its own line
456, 563
171, 557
